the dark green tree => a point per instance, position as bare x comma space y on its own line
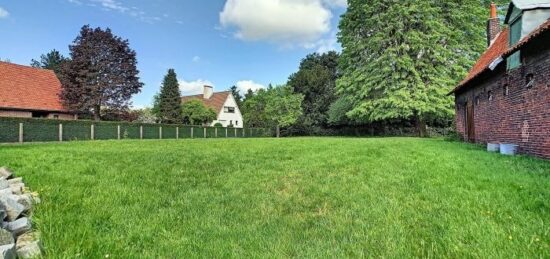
102, 73
316, 81
53, 60
169, 99
401, 58
237, 95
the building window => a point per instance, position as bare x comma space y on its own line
490, 95
236, 123
529, 80
56, 116
506, 90
477, 100
227, 109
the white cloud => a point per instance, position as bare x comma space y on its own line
336, 3
114, 5
285, 22
327, 44
111, 5
3, 13
193, 87
196, 59
244, 85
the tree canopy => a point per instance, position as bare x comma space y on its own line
283, 106
52, 60
169, 99
401, 58
194, 112
102, 73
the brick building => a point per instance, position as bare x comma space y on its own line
506, 96
29, 92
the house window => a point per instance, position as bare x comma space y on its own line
490, 95
506, 90
236, 123
514, 60
529, 80
477, 100
56, 116
227, 109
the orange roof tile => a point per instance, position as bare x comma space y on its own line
28, 88
215, 102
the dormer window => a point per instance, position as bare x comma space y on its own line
228, 109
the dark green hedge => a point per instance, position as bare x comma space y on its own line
44, 130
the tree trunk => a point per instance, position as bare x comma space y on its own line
278, 131
97, 113
421, 127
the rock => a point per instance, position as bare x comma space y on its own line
4, 184
28, 246
13, 208
5, 173
25, 200
19, 226
17, 188
6, 238
15, 180
6, 192
7, 251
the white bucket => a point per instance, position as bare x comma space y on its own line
509, 149
493, 147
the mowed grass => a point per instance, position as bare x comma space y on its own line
304, 197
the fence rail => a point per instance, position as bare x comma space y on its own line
20, 130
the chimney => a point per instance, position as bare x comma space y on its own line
493, 25
207, 92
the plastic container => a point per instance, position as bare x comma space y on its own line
509, 149
493, 147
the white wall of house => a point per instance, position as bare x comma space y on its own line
227, 118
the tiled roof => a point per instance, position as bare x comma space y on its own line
215, 102
29, 88
500, 49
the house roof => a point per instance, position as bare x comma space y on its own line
28, 88
531, 4
215, 102
498, 51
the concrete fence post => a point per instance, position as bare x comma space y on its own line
141, 132
191, 132
225, 132
216, 132
160, 132
177, 132
60, 132
92, 132
118, 132
204, 129
20, 132
236, 133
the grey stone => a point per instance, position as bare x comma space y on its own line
17, 188
7, 251
15, 180
13, 208
6, 238
28, 245
19, 226
4, 184
6, 192
24, 199
5, 173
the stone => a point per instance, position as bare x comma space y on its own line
7, 251
4, 184
5, 173
15, 180
13, 208
28, 245
19, 226
6, 238
17, 188
6, 192
24, 199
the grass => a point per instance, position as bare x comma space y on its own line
305, 197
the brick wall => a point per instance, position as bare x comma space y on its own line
514, 113
15, 114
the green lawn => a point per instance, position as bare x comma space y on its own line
304, 197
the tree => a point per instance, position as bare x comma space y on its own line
399, 61
337, 113
253, 108
146, 116
169, 99
316, 80
53, 60
236, 94
102, 72
283, 107
195, 112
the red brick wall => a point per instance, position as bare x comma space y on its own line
523, 116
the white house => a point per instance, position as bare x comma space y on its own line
223, 103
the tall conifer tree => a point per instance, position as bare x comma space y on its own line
169, 99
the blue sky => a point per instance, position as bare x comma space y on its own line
249, 43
